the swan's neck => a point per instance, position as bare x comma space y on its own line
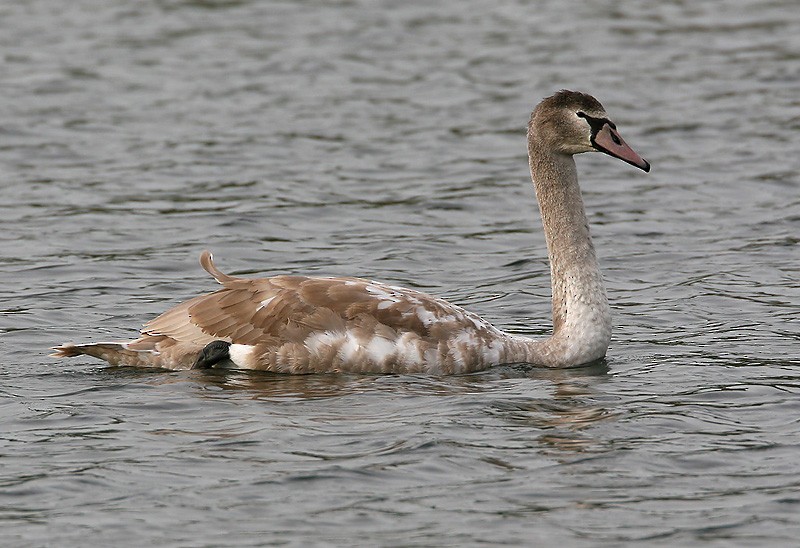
581, 316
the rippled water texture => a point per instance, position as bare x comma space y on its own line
386, 140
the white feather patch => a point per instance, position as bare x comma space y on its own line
243, 355
350, 347
380, 349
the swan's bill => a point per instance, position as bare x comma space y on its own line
608, 140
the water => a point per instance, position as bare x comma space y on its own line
386, 140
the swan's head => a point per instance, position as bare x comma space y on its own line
571, 122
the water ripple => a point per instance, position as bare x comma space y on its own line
387, 141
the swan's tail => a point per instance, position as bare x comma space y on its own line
114, 353
147, 351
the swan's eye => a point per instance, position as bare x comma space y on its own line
580, 114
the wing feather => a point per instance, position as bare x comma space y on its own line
287, 309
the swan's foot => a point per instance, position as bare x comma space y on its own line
213, 353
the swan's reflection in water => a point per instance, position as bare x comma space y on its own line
554, 409
564, 414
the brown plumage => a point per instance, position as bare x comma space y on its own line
279, 318
298, 324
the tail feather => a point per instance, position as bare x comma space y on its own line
145, 352
113, 353
65, 351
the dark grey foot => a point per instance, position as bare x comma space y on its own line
213, 353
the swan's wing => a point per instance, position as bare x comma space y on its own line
248, 313
290, 308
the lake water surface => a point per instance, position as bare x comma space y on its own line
387, 140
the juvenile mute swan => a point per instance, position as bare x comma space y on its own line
299, 324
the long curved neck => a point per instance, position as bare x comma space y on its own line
581, 315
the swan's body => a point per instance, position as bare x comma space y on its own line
296, 324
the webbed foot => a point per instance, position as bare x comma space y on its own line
213, 353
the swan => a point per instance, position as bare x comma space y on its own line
300, 324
